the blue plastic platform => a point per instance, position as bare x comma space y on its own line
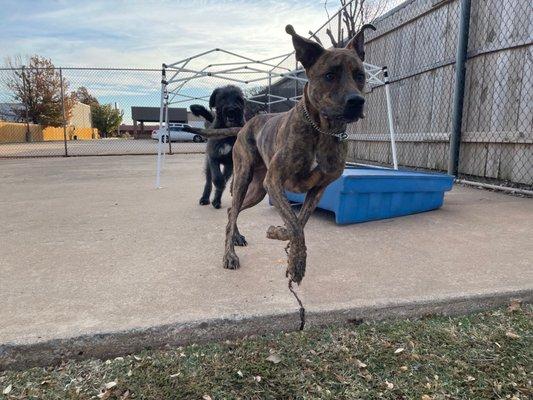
366, 194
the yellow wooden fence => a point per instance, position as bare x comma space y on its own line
12, 132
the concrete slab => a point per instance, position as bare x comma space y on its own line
88, 246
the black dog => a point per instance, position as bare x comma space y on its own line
228, 102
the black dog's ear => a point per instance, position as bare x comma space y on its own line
307, 51
358, 41
213, 98
201, 111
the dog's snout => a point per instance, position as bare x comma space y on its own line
354, 101
232, 113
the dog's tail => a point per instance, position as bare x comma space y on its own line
210, 132
201, 111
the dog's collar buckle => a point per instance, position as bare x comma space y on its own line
341, 136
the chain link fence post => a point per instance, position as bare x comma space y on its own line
459, 88
63, 111
25, 97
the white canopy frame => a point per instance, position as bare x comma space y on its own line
179, 75
264, 70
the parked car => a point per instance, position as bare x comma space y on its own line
176, 133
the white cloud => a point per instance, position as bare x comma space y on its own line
145, 34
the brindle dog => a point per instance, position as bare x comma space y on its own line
228, 102
300, 150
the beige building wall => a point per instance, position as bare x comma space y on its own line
81, 116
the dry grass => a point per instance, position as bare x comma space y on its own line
481, 356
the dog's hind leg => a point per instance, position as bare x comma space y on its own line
255, 193
204, 200
241, 179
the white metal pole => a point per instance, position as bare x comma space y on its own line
269, 90
159, 147
167, 130
391, 118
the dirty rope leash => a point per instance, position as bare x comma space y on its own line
302, 309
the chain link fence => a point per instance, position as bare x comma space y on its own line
497, 129
32, 122
418, 41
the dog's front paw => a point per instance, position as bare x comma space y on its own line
216, 204
239, 240
230, 261
203, 201
277, 233
296, 263
296, 270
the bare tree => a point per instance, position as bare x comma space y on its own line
354, 15
38, 86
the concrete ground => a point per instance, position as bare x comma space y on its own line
111, 146
89, 246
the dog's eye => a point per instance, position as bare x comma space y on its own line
329, 76
359, 76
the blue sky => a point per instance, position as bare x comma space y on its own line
144, 34
147, 33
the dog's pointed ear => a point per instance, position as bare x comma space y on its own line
213, 98
358, 41
307, 51
201, 111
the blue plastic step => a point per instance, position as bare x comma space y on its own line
365, 194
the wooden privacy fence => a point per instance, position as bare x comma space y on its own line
14, 132
418, 42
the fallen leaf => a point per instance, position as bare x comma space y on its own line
257, 378
239, 373
399, 350
104, 395
8, 389
137, 358
426, 397
367, 376
360, 364
130, 373
470, 378
206, 397
404, 368
110, 385
389, 385
515, 305
274, 358
512, 335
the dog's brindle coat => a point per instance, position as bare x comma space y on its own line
228, 102
277, 152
